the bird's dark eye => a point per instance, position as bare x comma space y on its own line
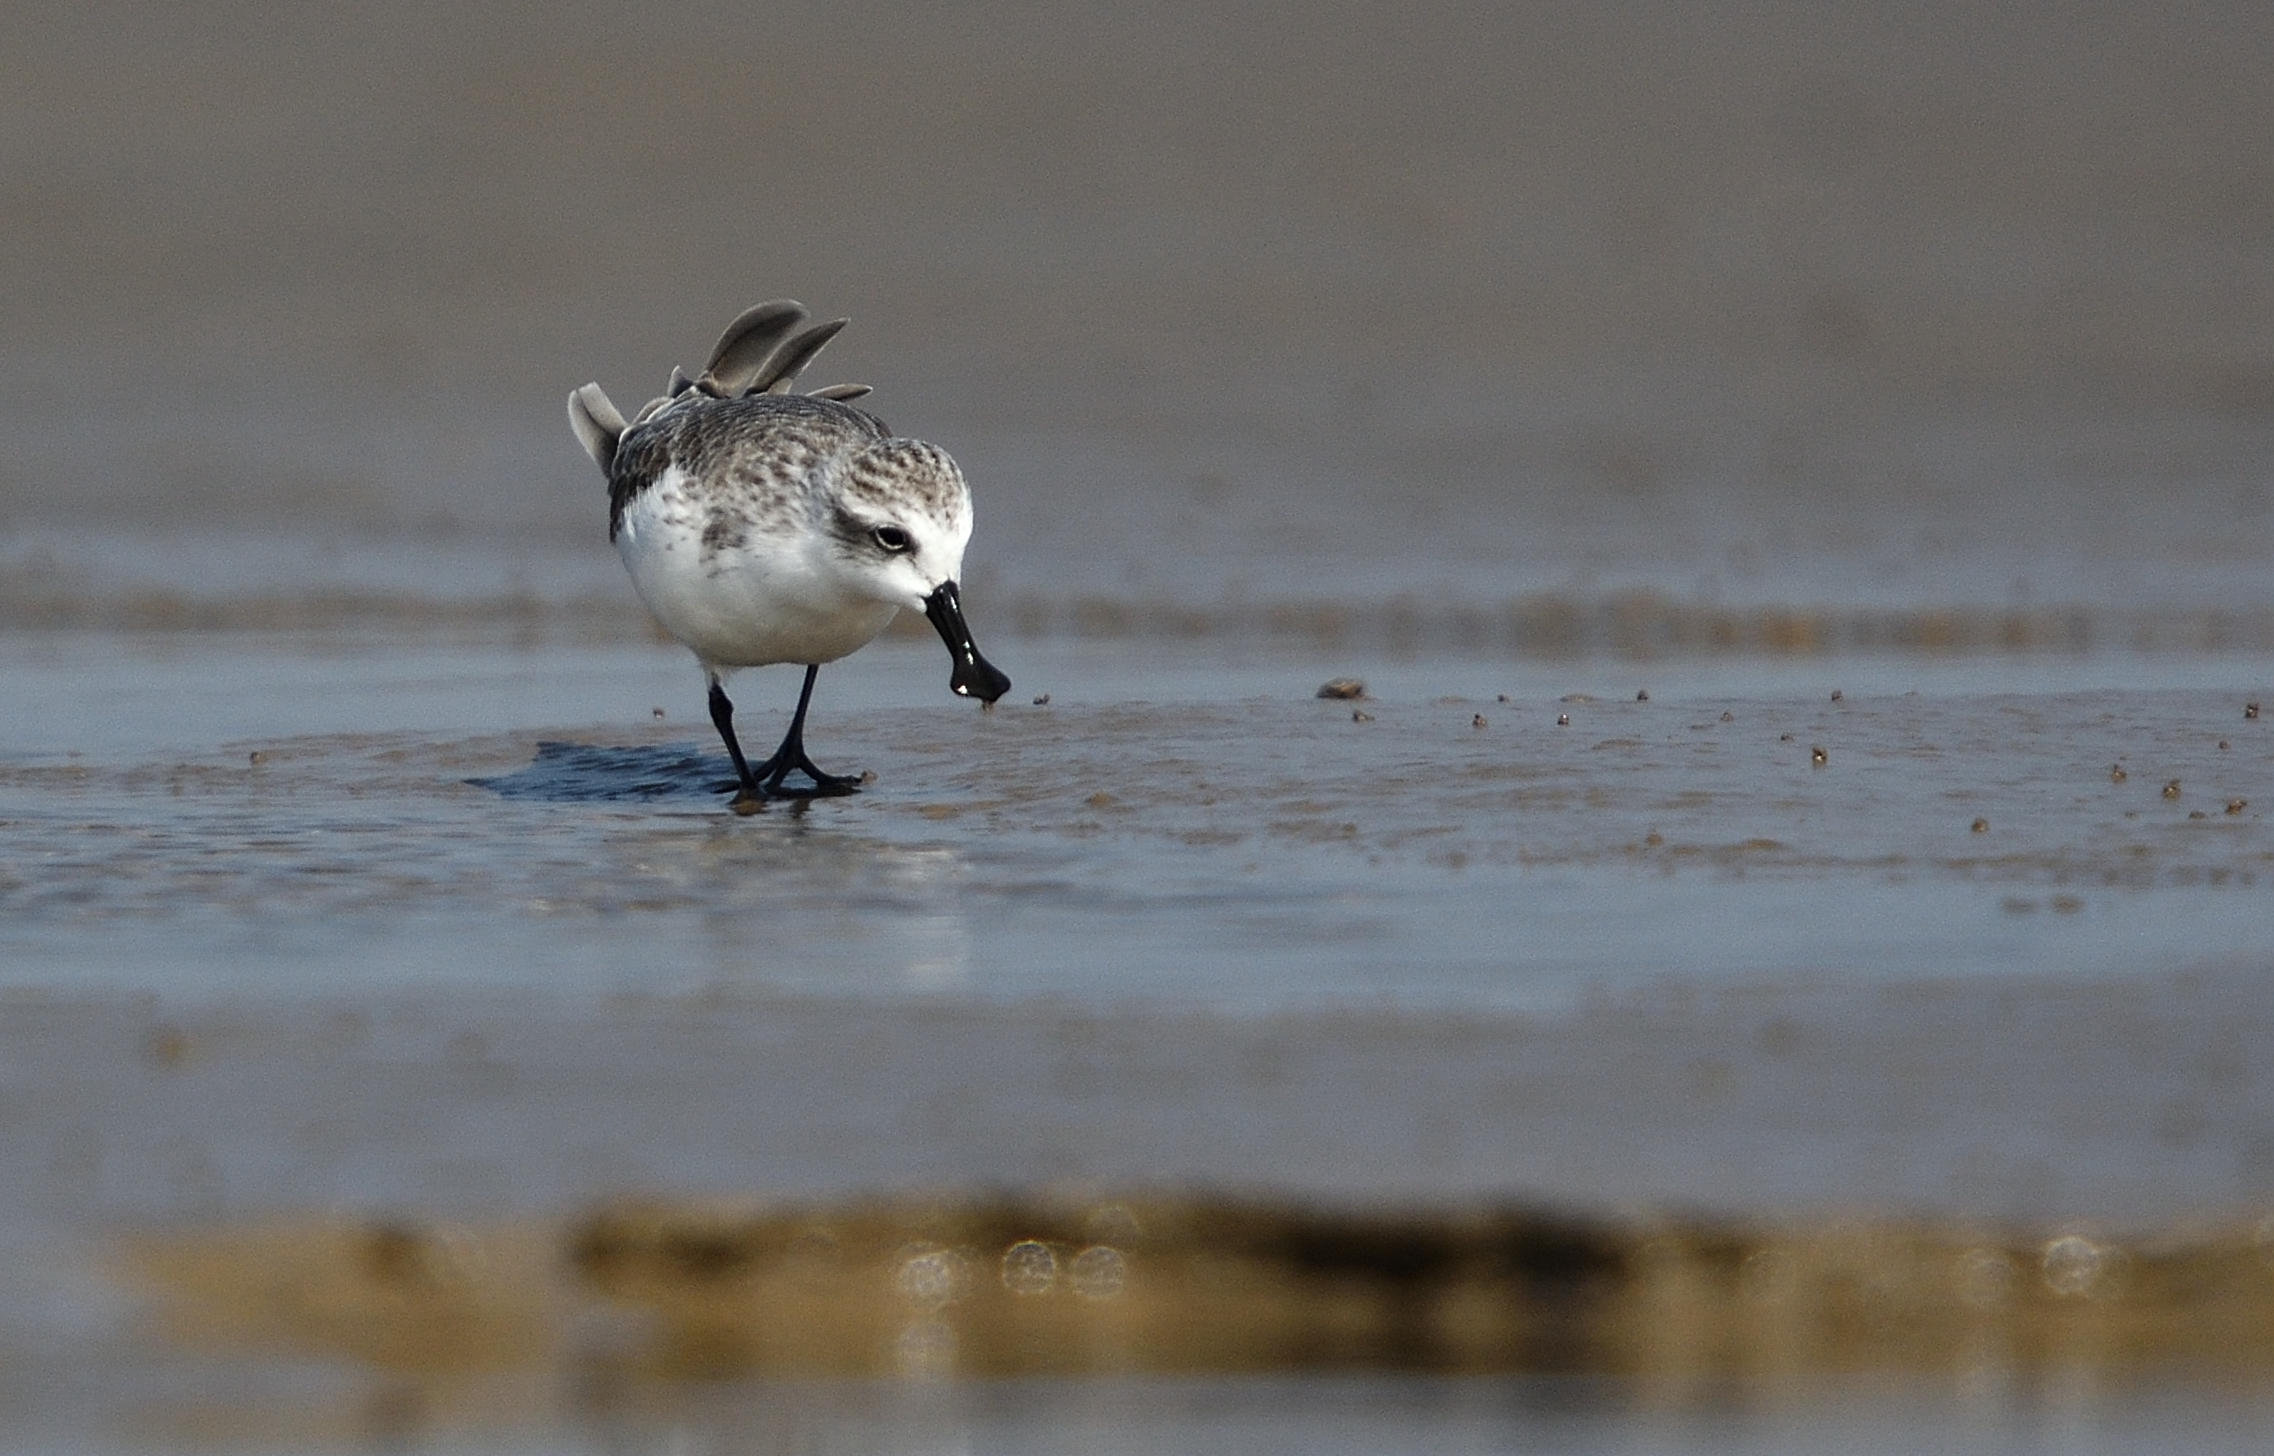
891, 538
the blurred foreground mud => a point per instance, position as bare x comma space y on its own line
1013, 1285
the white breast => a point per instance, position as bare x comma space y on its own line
769, 597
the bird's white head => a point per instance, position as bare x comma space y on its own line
900, 518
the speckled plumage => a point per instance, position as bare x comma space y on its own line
757, 454
761, 526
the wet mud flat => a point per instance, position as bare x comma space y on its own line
1478, 849
1995, 955
422, 1082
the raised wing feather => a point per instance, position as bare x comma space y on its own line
597, 422
747, 344
789, 361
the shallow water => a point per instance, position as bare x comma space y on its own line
1465, 850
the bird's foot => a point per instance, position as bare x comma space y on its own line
774, 774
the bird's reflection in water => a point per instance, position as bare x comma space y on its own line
790, 885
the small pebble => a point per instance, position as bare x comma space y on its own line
1477, 721
868, 775
2222, 745
1818, 756
1504, 697
2250, 710
2236, 806
1836, 695
1360, 715
1042, 700
1342, 687
259, 756
2171, 790
658, 712
1563, 720
2116, 774
1784, 738
1642, 696
1981, 826
1727, 716
2197, 814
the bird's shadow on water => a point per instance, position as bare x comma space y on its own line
587, 773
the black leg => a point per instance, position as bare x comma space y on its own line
791, 756
722, 714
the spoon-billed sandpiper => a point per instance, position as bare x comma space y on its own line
762, 526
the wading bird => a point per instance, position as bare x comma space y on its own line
764, 527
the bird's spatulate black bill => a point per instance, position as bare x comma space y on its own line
974, 676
